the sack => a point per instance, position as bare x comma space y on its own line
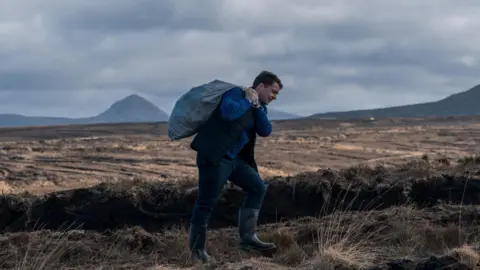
194, 108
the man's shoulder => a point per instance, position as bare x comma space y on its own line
234, 93
235, 90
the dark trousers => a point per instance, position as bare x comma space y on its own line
212, 179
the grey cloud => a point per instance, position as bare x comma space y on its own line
119, 16
29, 79
331, 55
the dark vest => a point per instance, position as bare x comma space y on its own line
217, 136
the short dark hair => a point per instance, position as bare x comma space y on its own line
267, 78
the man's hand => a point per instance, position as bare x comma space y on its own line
252, 96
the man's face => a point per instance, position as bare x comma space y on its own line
267, 94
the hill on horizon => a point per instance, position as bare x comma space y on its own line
134, 109
462, 103
131, 109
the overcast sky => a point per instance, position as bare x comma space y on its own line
75, 58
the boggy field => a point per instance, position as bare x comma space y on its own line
342, 195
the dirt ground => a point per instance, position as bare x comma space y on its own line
387, 194
40, 160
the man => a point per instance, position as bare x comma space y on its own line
225, 151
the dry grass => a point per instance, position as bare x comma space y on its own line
467, 255
345, 242
341, 239
45, 254
346, 238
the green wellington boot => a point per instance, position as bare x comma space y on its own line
247, 225
197, 238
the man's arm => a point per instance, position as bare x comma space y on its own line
263, 127
234, 104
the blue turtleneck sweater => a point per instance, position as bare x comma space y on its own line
232, 107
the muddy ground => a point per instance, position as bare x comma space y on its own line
41, 160
156, 206
410, 216
387, 194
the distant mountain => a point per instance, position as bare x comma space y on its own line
280, 115
463, 103
133, 108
